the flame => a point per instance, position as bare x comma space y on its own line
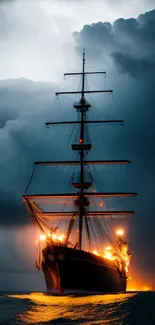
133, 289
120, 232
42, 237
121, 257
134, 286
147, 289
61, 237
58, 238
109, 256
101, 204
109, 253
54, 237
95, 252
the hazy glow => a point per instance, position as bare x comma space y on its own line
138, 287
109, 255
108, 248
61, 238
95, 252
43, 237
120, 232
54, 237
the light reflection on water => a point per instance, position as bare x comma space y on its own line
101, 309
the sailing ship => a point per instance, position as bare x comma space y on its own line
79, 252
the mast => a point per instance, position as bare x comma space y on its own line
82, 106
81, 205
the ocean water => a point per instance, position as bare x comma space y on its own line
110, 309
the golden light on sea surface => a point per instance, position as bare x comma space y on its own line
49, 309
120, 232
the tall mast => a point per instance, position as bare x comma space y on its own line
81, 206
82, 120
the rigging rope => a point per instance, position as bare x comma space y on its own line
30, 180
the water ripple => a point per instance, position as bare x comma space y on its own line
101, 309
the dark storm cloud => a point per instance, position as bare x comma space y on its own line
127, 49
24, 106
128, 36
134, 66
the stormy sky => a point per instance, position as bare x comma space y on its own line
39, 41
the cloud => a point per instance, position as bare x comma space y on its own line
134, 66
128, 36
21, 107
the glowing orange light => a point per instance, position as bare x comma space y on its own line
101, 204
108, 255
120, 232
108, 248
58, 237
95, 252
133, 289
80, 140
146, 288
61, 237
42, 237
54, 236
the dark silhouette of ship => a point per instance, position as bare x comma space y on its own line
79, 251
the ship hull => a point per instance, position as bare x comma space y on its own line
68, 270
